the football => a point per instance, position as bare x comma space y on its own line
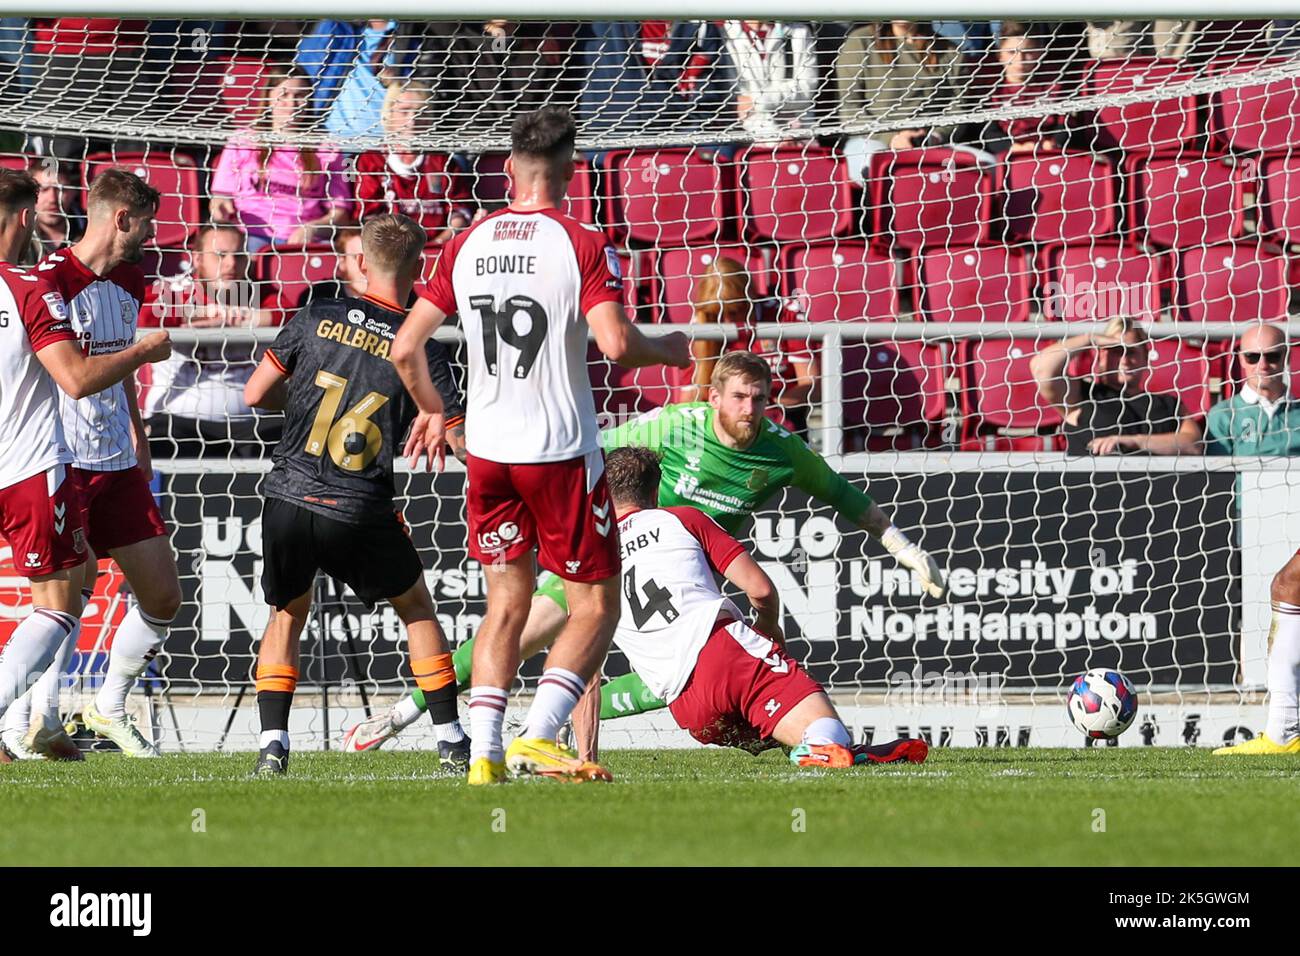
1102, 703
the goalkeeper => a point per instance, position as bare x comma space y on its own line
722, 457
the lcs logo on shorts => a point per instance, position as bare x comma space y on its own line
498, 539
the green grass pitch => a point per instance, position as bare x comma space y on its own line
962, 807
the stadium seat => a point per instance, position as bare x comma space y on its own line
792, 193
1142, 128
1054, 198
292, 270
174, 175
665, 197
999, 398
979, 284
1181, 369
930, 197
225, 84
1231, 282
838, 281
491, 185
678, 269
1277, 198
892, 393
1100, 281
580, 202
1260, 118
1189, 201
15, 161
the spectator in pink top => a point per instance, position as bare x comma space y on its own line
281, 194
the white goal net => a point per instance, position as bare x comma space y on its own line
900, 216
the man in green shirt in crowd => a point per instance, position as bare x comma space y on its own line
724, 458
1262, 418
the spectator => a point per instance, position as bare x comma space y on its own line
1025, 78
775, 64
722, 293
355, 112
60, 220
427, 187
326, 55
896, 70
1262, 418
194, 406
348, 279
280, 194
1111, 411
654, 76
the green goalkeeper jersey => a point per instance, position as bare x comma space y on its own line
730, 484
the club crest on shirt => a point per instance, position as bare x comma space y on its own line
757, 479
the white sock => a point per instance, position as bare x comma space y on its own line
43, 701
826, 730
487, 712
449, 733
272, 737
33, 645
405, 712
18, 718
136, 642
557, 695
1284, 674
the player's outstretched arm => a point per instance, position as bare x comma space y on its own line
624, 343
909, 554
80, 375
745, 573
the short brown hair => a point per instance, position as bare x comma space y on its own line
392, 241
17, 189
117, 188
745, 364
547, 133
632, 475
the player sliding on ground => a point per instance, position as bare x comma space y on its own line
40, 503
726, 682
528, 282
724, 458
329, 495
100, 278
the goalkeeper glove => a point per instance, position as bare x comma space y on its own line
915, 559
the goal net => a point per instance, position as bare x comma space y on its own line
899, 216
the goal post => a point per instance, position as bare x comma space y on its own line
899, 217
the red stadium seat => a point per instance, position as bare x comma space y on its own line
1277, 198
979, 284
892, 393
294, 270
1148, 127
1183, 370
580, 202
174, 175
1054, 198
489, 184
841, 281
1231, 282
665, 197
1263, 117
930, 197
227, 84
679, 268
15, 161
1100, 281
1000, 400
792, 193
1190, 201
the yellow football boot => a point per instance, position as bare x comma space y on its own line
539, 757
1263, 745
483, 771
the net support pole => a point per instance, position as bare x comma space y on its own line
832, 430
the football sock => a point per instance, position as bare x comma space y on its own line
135, 644
275, 686
463, 659
627, 695
436, 678
487, 712
18, 718
1284, 674
34, 644
557, 693
43, 701
826, 730
407, 710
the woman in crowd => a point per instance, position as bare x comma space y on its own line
722, 294
428, 187
281, 193
1110, 411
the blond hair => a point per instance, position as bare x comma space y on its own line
392, 242
723, 282
396, 91
747, 365
1122, 325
